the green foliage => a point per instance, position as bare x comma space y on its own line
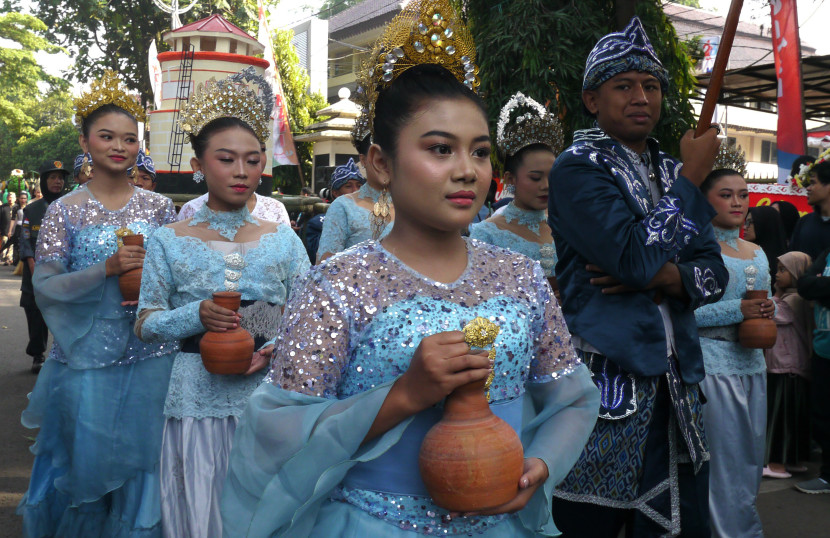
301, 107
123, 30
690, 3
547, 42
20, 72
59, 142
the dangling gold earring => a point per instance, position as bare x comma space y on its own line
380, 213
134, 172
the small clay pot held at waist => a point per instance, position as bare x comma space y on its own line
471, 460
129, 282
758, 333
231, 351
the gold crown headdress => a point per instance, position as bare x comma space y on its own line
424, 32
230, 98
731, 158
106, 91
524, 122
360, 130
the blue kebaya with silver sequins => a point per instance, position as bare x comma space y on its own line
300, 467
98, 400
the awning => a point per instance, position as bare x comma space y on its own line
748, 85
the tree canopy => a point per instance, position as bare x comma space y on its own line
547, 51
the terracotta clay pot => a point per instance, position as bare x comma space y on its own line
129, 282
471, 460
227, 352
758, 333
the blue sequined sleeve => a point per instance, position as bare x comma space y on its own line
312, 346
157, 322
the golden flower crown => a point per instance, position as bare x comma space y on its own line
424, 32
230, 98
524, 122
107, 91
731, 158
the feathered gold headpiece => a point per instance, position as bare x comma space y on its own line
524, 122
731, 158
424, 32
230, 98
107, 91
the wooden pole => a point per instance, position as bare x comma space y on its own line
716, 79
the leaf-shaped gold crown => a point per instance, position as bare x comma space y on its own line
731, 158
107, 91
424, 32
524, 122
228, 98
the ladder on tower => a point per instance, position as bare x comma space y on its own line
177, 136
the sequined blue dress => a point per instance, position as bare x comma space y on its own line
346, 224
202, 409
98, 399
489, 232
299, 466
735, 386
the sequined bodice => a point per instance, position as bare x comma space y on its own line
365, 313
85, 230
545, 253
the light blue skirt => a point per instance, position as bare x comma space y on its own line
96, 470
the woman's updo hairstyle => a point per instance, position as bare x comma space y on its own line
397, 103
98, 113
200, 141
715, 176
513, 162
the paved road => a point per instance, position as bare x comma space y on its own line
785, 512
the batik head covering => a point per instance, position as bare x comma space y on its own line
618, 52
344, 173
144, 162
79, 162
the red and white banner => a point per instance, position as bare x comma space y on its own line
786, 47
285, 152
155, 74
767, 193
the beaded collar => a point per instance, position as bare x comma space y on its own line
227, 223
368, 192
525, 217
730, 237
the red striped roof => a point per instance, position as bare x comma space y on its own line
214, 23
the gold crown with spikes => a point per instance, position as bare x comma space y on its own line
107, 91
524, 122
424, 32
225, 99
731, 158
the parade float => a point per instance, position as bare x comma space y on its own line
204, 49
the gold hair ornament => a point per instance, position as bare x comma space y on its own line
228, 98
731, 158
424, 32
480, 333
107, 91
524, 122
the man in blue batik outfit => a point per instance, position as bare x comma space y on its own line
637, 255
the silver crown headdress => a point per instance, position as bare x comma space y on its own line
524, 122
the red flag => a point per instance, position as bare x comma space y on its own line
786, 46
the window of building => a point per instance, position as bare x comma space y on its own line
813, 151
208, 44
769, 152
232, 47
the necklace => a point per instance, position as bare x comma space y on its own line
368, 192
227, 223
730, 237
525, 217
